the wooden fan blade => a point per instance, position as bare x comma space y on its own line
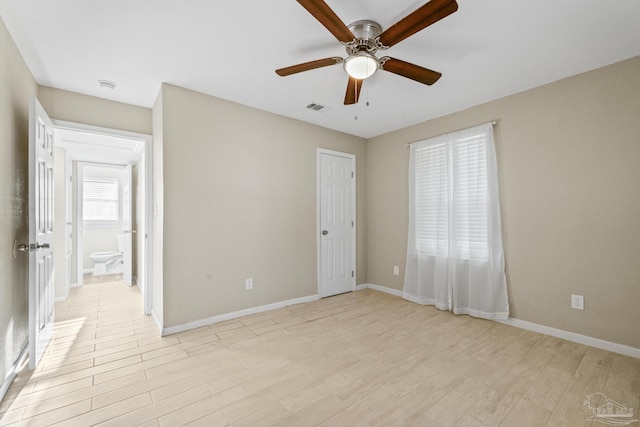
418, 20
311, 65
353, 91
409, 70
327, 17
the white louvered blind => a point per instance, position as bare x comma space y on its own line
100, 200
431, 184
451, 198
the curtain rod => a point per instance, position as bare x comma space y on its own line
493, 122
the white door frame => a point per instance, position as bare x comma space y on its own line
79, 227
352, 157
128, 226
148, 179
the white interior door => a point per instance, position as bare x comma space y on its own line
126, 225
41, 290
336, 231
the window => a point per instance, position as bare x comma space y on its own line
455, 259
100, 202
451, 196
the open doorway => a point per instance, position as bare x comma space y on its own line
105, 231
103, 193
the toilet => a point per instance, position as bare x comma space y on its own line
107, 261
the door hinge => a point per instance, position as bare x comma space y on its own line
351, 224
351, 174
353, 274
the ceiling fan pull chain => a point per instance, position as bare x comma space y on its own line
367, 103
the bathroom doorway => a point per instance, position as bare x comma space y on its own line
109, 230
104, 214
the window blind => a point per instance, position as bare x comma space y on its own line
432, 181
451, 198
100, 200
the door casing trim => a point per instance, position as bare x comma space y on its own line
149, 193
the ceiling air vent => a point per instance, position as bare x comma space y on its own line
317, 107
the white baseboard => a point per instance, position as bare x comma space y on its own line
113, 270
154, 316
386, 290
573, 337
234, 315
11, 375
542, 329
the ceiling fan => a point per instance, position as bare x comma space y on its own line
362, 39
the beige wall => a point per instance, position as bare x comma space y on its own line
569, 175
89, 110
240, 202
17, 87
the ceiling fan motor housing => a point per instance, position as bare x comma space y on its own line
366, 33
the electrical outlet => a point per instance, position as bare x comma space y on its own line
577, 302
249, 284
396, 270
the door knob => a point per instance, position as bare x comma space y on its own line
19, 247
25, 247
325, 232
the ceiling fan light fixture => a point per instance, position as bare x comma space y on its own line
361, 65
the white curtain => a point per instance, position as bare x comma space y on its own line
455, 259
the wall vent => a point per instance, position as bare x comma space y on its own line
317, 107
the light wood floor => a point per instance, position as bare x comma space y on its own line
364, 358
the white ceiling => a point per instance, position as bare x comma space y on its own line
98, 148
230, 49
